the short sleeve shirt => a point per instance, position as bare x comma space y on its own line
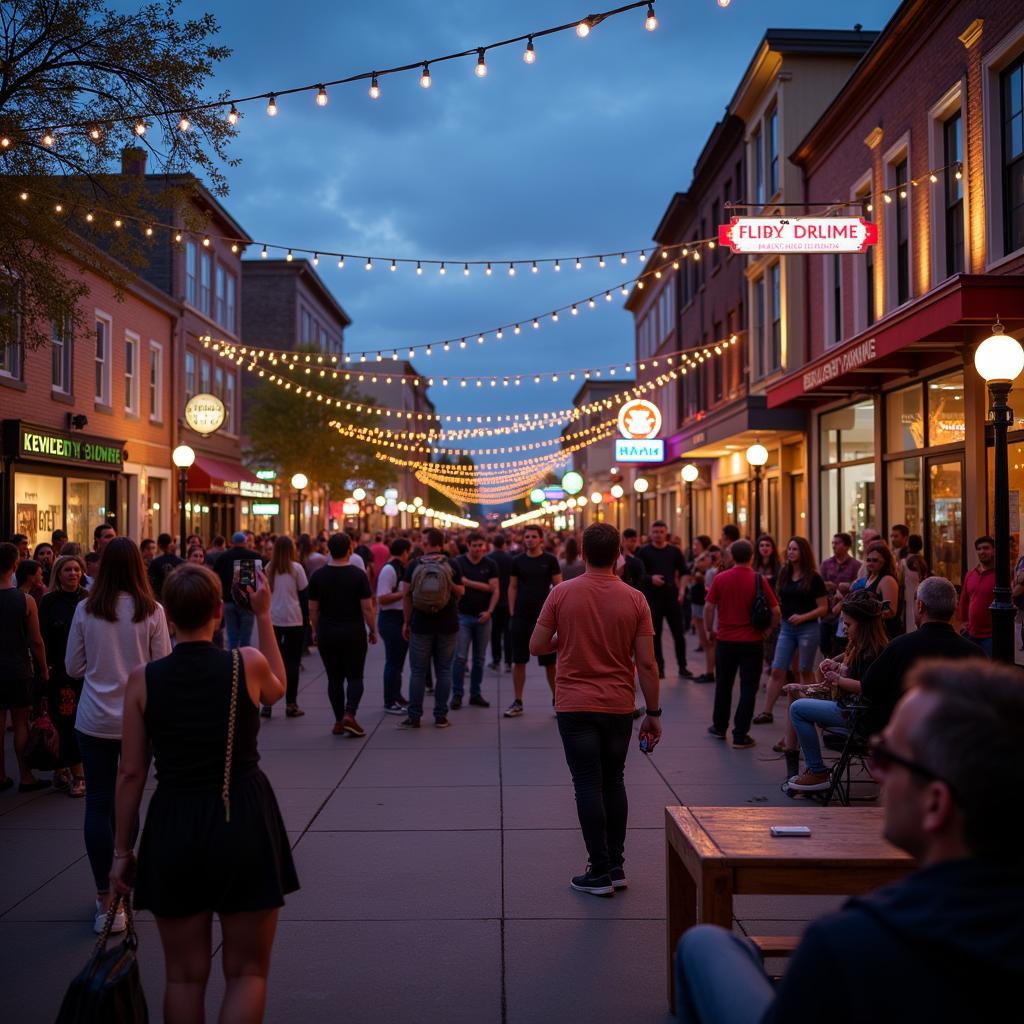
473, 601
798, 600
339, 591
732, 593
534, 577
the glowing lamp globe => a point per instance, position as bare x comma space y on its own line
183, 456
595, 498
299, 481
757, 455
572, 482
617, 491
689, 472
999, 357
380, 501
640, 485
358, 494
537, 495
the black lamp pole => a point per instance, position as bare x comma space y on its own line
1003, 612
757, 503
183, 526
689, 513
298, 513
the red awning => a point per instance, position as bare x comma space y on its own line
208, 474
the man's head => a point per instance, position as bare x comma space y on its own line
533, 538
9, 558
943, 800
217, 542
238, 539
730, 533
742, 551
841, 544
659, 533
400, 548
148, 549
630, 540
165, 542
58, 538
899, 535
869, 536
477, 546
339, 545
935, 600
433, 540
102, 536
92, 563
985, 549
498, 540
701, 543
20, 541
601, 543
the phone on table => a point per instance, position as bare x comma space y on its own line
243, 576
790, 831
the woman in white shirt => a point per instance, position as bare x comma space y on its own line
118, 627
288, 585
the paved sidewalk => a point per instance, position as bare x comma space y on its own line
435, 868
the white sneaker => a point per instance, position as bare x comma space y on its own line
515, 709
120, 923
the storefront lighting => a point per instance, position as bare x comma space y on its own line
689, 473
757, 455
300, 481
999, 357
359, 494
617, 491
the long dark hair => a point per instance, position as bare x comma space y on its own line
808, 565
884, 552
572, 551
771, 567
281, 561
121, 571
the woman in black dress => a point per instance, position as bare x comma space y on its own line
56, 610
214, 841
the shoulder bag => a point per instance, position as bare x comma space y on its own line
225, 793
760, 609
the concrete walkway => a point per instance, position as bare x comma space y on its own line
435, 868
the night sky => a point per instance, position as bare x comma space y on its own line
578, 153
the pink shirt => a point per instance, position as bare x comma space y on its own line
381, 554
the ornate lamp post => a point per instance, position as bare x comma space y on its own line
640, 486
299, 481
999, 360
689, 473
616, 493
757, 456
183, 457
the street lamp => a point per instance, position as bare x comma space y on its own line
299, 482
640, 485
617, 492
183, 457
689, 473
757, 456
999, 360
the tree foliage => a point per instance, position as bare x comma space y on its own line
80, 64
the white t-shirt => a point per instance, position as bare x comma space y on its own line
357, 560
386, 585
285, 609
316, 561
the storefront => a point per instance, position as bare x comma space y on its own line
219, 495
56, 480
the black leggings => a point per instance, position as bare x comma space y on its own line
343, 651
289, 642
595, 745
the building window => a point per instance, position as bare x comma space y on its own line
758, 166
869, 284
1012, 117
772, 143
204, 376
60, 351
190, 374
229, 310
953, 154
229, 402
219, 294
156, 382
716, 219
760, 323
101, 361
775, 285
832, 267
131, 373
190, 273
306, 329
204, 282
716, 364
900, 249
848, 497
694, 271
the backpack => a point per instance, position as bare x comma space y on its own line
760, 609
432, 585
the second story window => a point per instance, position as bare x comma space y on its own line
156, 382
1012, 117
190, 374
220, 295
204, 282
60, 352
756, 142
10, 331
191, 292
716, 364
716, 219
901, 250
953, 154
131, 373
837, 297
204, 376
230, 319
771, 141
229, 402
101, 389
775, 293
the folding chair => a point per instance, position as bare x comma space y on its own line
852, 748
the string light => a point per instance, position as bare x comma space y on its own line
583, 28
140, 128
481, 64
321, 97
425, 77
184, 124
530, 54
651, 22
272, 106
233, 115
374, 88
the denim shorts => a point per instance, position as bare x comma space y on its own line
793, 638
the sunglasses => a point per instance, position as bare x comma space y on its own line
884, 758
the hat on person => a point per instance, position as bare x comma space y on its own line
238, 537
862, 605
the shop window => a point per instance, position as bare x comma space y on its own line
1011, 83
87, 506
156, 382
102, 361
946, 409
190, 374
131, 373
10, 331
953, 193
755, 143
905, 500
190, 273
38, 506
204, 376
848, 491
945, 519
905, 419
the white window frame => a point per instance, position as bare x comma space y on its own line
862, 191
894, 156
758, 165
230, 402
219, 293
1004, 52
204, 364
773, 313
939, 114
230, 314
155, 383
131, 381
205, 282
63, 333
104, 399
190, 355
773, 111
191, 275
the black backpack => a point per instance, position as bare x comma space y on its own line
760, 609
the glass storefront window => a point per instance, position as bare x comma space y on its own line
38, 506
830, 427
946, 409
905, 419
905, 498
945, 519
857, 501
799, 496
87, 508
848, 434
829, 511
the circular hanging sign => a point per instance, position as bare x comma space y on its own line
639, 420
205, 414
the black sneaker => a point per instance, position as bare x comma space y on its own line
743, 742
394, 709
441, 723
618, 877
596, 885
265, 711
456, 703
719, 735
685, 673
479, 702
409, 723
705, 677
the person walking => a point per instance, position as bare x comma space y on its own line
664, 564
480, 577
116, 628
976, 595
214, 841
56, 613
602, 630
839, 572
164, 563
390, 594
534, 572
237, 617
288, 583
430, 626
22, 658
571, 565
738, 640
501, 641
341, 617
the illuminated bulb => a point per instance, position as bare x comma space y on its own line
933, 178
903, 193
394, 266
529, 54
140, 128
651, 22
321, 97
600, 262
516, 329
479, 339
206, 238
24, 198
624, 290
425, 77
149, 232
47, 140
696, 255
511, 270
643, 256
959, 173
574, 311
887, 197
184, 124
583, 28
579, 263
443, 270
374, 88
233, 115
500, 334
481, 64
177, 236
462, 343
724, 3
272, 106
534, 267
316, 258
869, 207
536, 323
608, 296
89, 218
465, 270
369, 263
341, 262
558, 265
419, 267
554, 317
488, 271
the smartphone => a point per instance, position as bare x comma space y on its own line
243, 576
790, 831
646, 747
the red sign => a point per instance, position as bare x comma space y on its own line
753, 235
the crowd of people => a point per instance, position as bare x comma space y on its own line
135, 650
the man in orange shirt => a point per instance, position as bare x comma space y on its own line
599, 625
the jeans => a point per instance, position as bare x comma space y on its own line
389, 625
342, 648
666, 608
984, 642
595, 746
807, 713
239, 625
289, 642
730, 655
471, 631
100, 758
793, 638
500, 638
719, 978
425, 648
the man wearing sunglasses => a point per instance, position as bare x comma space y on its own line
947, 942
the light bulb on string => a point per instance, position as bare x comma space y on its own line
184, 123
321, 97
263, 252
47, 140
724, 3
481, 64
583, 28
369, 263
650, 22
643, 256
419, 267
341, 262
289, 256
233, 115
425, 77
374, 88
558, 265
533, 268
511, 270
394, 266
316, 259
140, 128
443, 269
272, 106
465, 270
529, 54
579, 263
489, 270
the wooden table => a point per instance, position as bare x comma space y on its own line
716, 853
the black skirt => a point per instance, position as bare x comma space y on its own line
191, 860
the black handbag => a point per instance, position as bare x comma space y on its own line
109, 988
760, 609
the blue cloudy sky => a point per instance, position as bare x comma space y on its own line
579, 152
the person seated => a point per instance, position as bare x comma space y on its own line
866, 638
944, 944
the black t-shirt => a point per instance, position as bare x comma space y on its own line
339, 591
160, 568
666, 561
633, 572
224, 567
503, 560
534, 578
474, 602
444, 621
795, 600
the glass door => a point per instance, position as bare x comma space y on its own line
945, 518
